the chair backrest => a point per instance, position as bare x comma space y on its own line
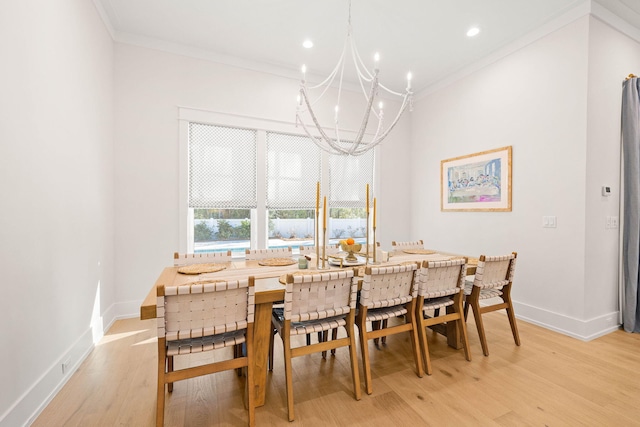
495, 271
319, 296
442, 278
204, 308
203, 258
254, 254
388, 286
308, 250
400, 246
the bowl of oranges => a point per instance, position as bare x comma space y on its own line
350, 246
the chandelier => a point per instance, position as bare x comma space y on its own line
333, 143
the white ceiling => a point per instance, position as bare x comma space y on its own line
426, 37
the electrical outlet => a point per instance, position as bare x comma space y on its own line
66, 366
549, 222
614, 222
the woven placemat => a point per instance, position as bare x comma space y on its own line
201, 268
419, 251
277, 262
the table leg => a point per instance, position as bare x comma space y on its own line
453, 337
261, 335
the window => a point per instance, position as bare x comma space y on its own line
252, 184
222, 186
293, 169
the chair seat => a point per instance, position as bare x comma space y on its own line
484, 293
206, 343
310, 326
435, 303
377, 314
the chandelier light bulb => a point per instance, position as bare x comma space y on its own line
409, 77
307, 44
362, 141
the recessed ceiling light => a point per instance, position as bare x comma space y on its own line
473, 31
307, 44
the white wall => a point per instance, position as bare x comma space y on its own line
612, 56
556, 101
56, 182
150, 86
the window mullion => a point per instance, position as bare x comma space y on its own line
259, 226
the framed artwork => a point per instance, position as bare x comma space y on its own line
477, 182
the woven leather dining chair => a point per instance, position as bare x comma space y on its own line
315, 303
388, 292
311, 250
200, 317
201, 258
400, 246
257, 254
493, 278
441, 285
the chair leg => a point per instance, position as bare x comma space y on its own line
334, 336
170, 369
270, 363
384, 325
462, 326
355, 375
322, 337
480, 326
410, 318
422, 335
251, 380
288, 373
375, 325
362, 327
512, 321
160, 388
238, 352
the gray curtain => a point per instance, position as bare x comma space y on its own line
631, 232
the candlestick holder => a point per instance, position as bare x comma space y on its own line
375, 260
317, 239
324, 252
366, 262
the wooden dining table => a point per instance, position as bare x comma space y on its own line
269, 289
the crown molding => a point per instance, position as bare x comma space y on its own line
605, 15
571, 15
105, 18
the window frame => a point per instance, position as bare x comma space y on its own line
259, 231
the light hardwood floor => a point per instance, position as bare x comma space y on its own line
550, 380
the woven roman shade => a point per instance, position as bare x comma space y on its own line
348, 177
222, 167
293, 169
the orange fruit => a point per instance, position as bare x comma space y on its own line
350, 241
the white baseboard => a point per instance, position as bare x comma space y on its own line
28, 406
31, 403
585, 330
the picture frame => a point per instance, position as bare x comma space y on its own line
477, 182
